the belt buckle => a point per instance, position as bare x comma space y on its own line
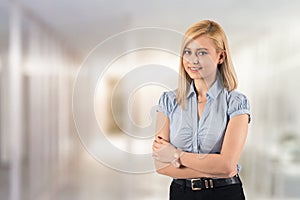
208, 184
211, 183
192, 183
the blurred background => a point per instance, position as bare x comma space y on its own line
44, 43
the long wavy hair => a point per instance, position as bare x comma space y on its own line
214, 31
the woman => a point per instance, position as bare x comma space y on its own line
202, 126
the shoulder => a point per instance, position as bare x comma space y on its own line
167, 102
170, 94
238, 103
236, 96
170, 97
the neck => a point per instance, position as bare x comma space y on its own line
203, 85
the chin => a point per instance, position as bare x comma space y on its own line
193, 76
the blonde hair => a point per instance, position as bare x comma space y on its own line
214, 31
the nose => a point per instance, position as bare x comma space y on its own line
195, 60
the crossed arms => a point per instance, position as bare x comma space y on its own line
195, 165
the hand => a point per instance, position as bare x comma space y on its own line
165, 152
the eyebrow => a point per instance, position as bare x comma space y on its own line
197, 49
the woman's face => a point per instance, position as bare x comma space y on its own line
200, 58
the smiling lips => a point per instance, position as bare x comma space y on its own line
195, 68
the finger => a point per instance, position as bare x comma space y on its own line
162, 141
161, 138
158, 140
154, 148
157, 143
158, 137
155, 156
157, 147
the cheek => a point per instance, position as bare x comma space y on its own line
215, 59
185, 63
208, 61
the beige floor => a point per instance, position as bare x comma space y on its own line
91, 180
87, 179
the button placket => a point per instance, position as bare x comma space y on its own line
195, 124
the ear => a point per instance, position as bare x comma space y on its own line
222, 57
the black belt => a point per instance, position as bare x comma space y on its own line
207, 183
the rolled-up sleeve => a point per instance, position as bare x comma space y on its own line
238, 105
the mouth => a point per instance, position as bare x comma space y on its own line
195, 68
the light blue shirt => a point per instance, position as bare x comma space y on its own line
205, 134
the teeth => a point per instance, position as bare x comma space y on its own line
196, 68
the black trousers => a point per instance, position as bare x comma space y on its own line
230, 192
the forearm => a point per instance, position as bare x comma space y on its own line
215, 164
182, 172
224, 163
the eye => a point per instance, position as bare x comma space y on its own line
201, 53
187, 52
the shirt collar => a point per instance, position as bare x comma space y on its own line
213, 91
192, 89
